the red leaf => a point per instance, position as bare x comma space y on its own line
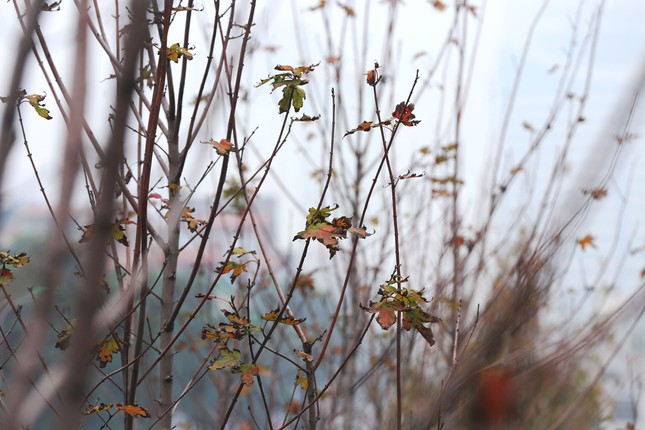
404, 114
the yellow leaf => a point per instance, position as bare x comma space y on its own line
92, 409
107, 347
301, 379
35, 100
173, 52
227, 358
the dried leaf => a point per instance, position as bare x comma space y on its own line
64, 337
133, 410
93, 409
586, 241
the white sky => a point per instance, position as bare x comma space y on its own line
620, 56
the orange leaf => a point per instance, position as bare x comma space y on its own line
248, 372
404, 114
439, 5
386, 318
372, 77
236, 268
133, 410
273, 315
324, 233
596, 193
586, 241
222, 147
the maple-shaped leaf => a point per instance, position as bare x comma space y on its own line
586, 241
292, 95
404, 114
222, 147
316, 216
406, 301
227, 358
386, 318
234, 318
273, 315
291, 82
106, 349
65, 336
248, 371
36, 101
221, 332
385, 310
93, 409
133, 410
176, 51
236, 269
187, 217
324, 233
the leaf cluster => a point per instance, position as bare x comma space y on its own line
14, 260
329, 232
291, 82
405, 301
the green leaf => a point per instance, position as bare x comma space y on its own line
35, 100
298, 98
316, 216
227, 358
